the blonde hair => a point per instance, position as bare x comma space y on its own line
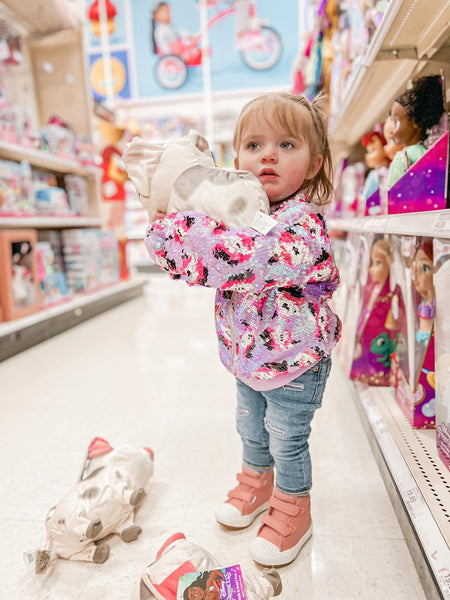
295, 115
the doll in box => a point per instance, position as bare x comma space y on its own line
112, 485
390, 148
358, 249
23, 288
412, 367
179, 557
181, 175
422, 277
374, 344
376, 160
415, 112
442, 340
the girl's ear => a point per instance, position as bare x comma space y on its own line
236, 162
314, 166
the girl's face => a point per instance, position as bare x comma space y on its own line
279, 160
405, 130
422, 273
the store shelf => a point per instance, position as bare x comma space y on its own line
46, 222
42, 16
417, 483
18, 335
45, 160
411, 33
433, 224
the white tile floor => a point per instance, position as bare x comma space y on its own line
147, 372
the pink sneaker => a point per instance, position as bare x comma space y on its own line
247, 500
285, 529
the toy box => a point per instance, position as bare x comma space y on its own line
90, 258
52, 281
357, 257
423, 186
441, 250
16, 198
374, 341
411, 318
377, 203
19, 285
218, 584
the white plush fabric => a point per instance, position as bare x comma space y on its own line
103, 492
180, 175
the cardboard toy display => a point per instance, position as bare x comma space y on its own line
412, 319
19, 284
441, 250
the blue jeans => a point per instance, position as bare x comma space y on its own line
274, 426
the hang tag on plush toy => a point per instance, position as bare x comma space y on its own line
263, 223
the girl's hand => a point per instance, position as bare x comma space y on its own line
159, 215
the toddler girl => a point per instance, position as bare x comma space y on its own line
274, 326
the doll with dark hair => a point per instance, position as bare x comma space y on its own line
415, 112
205, 587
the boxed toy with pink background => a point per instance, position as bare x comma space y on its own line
412, 318
442, 341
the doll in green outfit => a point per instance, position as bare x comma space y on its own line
414, 113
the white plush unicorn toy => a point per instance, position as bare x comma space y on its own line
180, 175
112, 484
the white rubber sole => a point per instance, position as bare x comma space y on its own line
265, 553
229, 516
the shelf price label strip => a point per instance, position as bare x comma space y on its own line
434, 545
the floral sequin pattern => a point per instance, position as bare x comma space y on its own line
272, 314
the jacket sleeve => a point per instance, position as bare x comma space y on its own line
202, 251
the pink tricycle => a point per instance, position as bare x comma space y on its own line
262, 49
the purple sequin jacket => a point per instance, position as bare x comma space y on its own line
272, 314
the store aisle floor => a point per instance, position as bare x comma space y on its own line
148, 373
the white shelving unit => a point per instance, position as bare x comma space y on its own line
18, 335
417, 483
413, 39
411, 35
45, 160
431, 224
49, 222
52, 80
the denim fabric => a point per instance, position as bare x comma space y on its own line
274, 426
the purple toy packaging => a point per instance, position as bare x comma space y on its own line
423, 187
412, 318
217, 584
441, 249
354, 278
374, 342
367, 342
